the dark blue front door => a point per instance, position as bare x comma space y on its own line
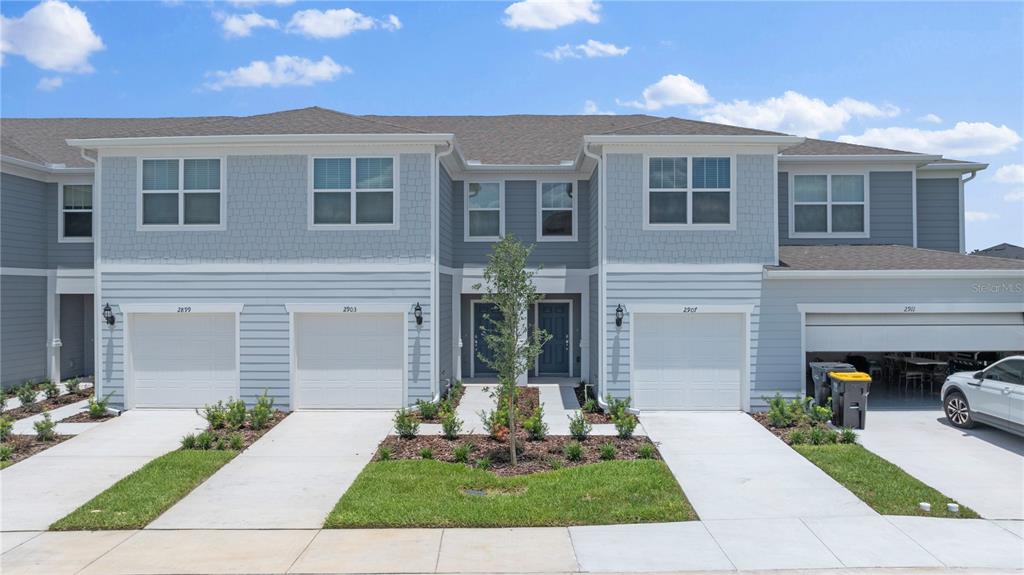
554, 319
480, 322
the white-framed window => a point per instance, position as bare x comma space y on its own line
353, 193
181, 193
689, 192
484, 213
828, 205
74, 220
557, 218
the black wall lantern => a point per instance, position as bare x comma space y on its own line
417, 312
108, 314
619, 313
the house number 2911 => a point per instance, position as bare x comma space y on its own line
909, 308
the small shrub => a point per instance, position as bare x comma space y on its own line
406, 425
817, 413
26, 394
534, 425
236, 441
625, 424
579, 427
6, 428
495, 422
573, 451
607, 451
779, 414
73, 385
235, 414
385, 454
461, 453
427, 453
222, 444
6, 452
646, 451
616, 407
98, 407
591, 406
555, 463
205, 440
189, 441
428, 410
215, 415
847, 435
451, 425
822, 436
483, 463
45, 428
798, 437
50, 390
261, 413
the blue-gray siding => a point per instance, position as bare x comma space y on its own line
446, 229
676, 288
76, 335
445, 344
521, 221
751, 242
266, 219
22, 329
938, 214
891, 212
23, 226
264, 320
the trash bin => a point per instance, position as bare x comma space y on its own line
819, 376
849, 398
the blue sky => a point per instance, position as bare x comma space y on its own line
945, 77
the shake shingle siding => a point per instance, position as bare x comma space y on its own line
938, 214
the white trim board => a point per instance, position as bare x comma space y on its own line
350, 307
267, 268
129, 308
903, 308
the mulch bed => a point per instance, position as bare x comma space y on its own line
783, 433
84, 417
455, 394
534, 456
249, 435
24, 411
26, 446
582, 393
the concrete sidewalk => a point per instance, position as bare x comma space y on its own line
49, 485
925, 544
289, 479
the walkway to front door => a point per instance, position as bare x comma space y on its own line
554, 318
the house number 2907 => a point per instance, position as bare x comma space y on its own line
184, 309
690, 309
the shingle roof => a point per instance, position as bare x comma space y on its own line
885, 258
1003, 250
512, 139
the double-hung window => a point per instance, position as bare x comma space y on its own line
75, 220
181, 192
484, 214
828, 205
556, 211
689, 192
357, 192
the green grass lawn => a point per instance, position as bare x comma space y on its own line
421, 493
142, 496
885, 487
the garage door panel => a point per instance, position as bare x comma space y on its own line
914, 332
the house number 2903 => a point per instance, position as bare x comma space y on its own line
349, 309
184, 309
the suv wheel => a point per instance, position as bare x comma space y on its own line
958, 412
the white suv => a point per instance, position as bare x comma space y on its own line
993, 396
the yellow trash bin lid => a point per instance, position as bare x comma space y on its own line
849, 376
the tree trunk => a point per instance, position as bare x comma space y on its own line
512, 425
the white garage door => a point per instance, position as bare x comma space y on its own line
352, 360
182, 360
688, 361
881, 332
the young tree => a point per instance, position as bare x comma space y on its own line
509, 286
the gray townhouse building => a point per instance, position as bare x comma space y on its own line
331, 260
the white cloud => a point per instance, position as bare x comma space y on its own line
930, 119
53, 36
49, 84
591, 108
550, 14
980, 216
1010, 174
282, 71
670, 90
796, 113
255, 2
963, 139
241, 25
335, 23
590, 49
1015, 196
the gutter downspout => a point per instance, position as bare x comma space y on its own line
435, 254
963, 206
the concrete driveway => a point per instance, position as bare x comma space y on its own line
49, 485
289, 479
982, 468
733, 468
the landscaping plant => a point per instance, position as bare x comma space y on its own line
6, 452
26, 394
98, 407
235, 414
45, 428
427, 453
617, 407
451, 425
607, 451
262, 412
847, 435
384, 454
483, 463
514, 347
461, 453
189, 441
591, 406
215, 414
236, 441
798, 437
573, 451
428, 409
406, 425
625, 424
6, 428
646, 451
50, 389
579, 427
73, 385
204, 440
534, 425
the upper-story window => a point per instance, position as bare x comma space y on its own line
354, 192
689, 192
75, 219
556, 211
181, 193
828, 205
485, 212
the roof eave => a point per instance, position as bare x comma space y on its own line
227, 140
780, 140
791, 274
45, 168
955, 166
919, 159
